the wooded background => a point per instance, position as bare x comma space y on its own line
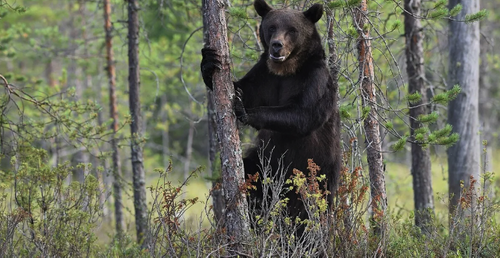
79, 102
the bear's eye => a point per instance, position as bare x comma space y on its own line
292, 31
272, 29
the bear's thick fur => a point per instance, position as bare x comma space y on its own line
289, 97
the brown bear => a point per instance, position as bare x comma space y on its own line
290, 98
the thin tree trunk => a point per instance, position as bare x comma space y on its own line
140, 204
486, 108
113, 109
236, 212
164, 133
371, 125
464, 156
420, 157
217, 198
189, 153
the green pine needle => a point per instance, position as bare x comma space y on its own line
336, 4
439, 4
439, 13
476, 16
455, 10
430, 118
414, 97
400, 144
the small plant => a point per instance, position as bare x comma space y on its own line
41, 215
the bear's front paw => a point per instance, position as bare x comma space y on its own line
239, 108
209, 63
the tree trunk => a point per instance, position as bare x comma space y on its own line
420, 157
486, 108
164, 133
217, 198
464, 156
113, 109
140, 205
371, 126
189, 153
236, 212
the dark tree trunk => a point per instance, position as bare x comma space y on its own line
140, 205
420, 157
371, 126
236, 210
464, 156
116, 169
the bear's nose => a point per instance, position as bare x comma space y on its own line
277, 46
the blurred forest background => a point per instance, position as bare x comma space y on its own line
56, 128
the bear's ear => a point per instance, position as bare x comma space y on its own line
314, 13
261, 7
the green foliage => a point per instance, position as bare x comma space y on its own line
438, 14
428, 119
366, 112
399, 145
440, 4
344, 112
476, 16
455, 10
336, 4
44, 215
414, 98
238, 13
447, 96
353, 3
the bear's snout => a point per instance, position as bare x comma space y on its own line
277, 46
276, 51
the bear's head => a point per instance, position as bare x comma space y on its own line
288, 36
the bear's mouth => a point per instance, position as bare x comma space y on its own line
277, 59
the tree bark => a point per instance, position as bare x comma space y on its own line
420, 157
236, 212
464, 156
217, 198
113, 109
140, 205
371, 125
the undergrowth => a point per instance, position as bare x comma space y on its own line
42, 216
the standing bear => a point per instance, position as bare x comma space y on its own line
290, 98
